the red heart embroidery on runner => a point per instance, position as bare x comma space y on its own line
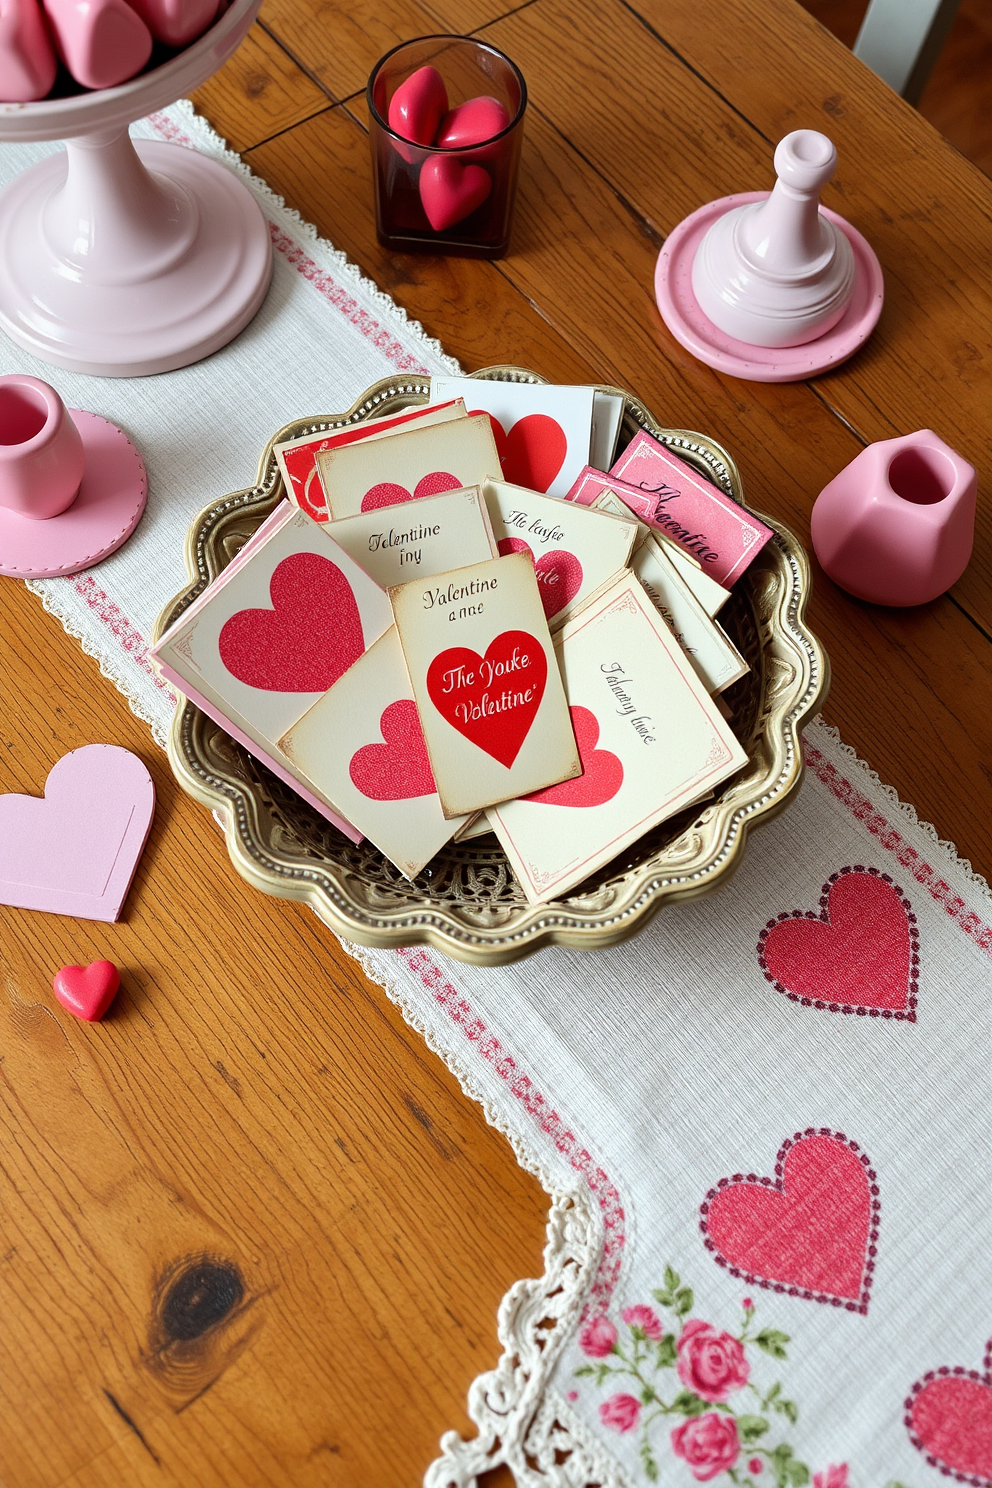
860, 954
491, 700
400, 768
602, 772
388, 493
307, 641
559, 574
533, 452
949, 1420
810, 1231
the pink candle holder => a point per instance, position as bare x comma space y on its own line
896, 526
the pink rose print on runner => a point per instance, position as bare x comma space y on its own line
711, 1363
646, 1319
620, 1412
811, 1231
708, 1444
949, 1419
832, 1477
860, 954
598, 1337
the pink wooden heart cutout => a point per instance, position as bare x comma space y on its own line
949, 1420
74, 852
860, 954
451, 191
399, 769
810, 1231
87, 991
559, 574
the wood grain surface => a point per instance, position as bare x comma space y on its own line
251, 1232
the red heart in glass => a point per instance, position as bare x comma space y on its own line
451, 191
472, 123
418, 106
491, 700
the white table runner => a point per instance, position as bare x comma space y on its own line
766, 1123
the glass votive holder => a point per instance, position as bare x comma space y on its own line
432, 198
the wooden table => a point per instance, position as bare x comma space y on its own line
359, 1220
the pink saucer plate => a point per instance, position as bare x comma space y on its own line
681, 313
103, 515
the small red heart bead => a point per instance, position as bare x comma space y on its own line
450, 191
87, 991
418, 106
472, 123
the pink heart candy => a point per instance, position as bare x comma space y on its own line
450, 191
472, 123
27, 61
418, 106
87, 991
101, 42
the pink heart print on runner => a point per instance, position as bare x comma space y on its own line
949, 1420
602, 771
389, 493
399, 769
811, 1231
558, 573
860, 954
310, 637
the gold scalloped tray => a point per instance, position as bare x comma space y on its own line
467, 902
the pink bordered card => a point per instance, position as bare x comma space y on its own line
687, 507
575, 550
363, 747
409, 464
297, 458
425, 537
484, 674
543, 433
650, 738
268, 637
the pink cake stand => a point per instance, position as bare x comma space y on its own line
688, 324
121, 258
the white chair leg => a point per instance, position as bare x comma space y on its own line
900, 40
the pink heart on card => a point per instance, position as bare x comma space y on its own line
602, 771
533, 452
74, 851
810, 1231
388, 493
310, 637
451, 191
860, 953
472, 123
87, 991
949, 1420
400, 768
559, 574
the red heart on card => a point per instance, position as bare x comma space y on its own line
451, 191
491, 700
810, 1231
87, 991
307, 641
559, 574
859, 952
949, 1420
602, 772
388, 493
400, 768
533, 452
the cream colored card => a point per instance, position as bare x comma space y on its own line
475, 826
363, 747
575, 550
610, 503
715, 658
411, 463
650, 737
485, 678
397, 543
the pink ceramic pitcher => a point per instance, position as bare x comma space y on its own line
41, 452
896, 526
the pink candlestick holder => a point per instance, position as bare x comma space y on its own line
125, 258
896, 526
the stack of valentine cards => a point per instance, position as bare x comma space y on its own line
461, 623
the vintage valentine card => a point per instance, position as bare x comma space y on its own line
297, 458
575, 550
396, 543
608, 493
362, 745
484, 675
542, 433
722, 535
715, 658
650, 738
410, 464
